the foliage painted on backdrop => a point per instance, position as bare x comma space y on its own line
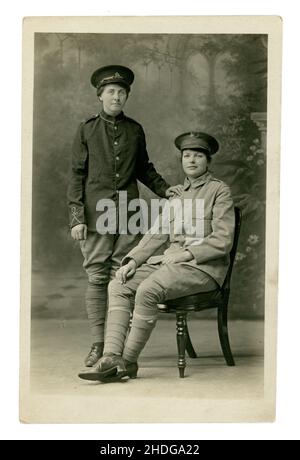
211, 83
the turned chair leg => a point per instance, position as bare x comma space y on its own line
181, 341
189, 346
223, 335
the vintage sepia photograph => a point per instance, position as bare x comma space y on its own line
150, 207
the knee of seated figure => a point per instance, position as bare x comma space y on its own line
116, 288
149, 291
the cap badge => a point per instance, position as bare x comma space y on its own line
112, 77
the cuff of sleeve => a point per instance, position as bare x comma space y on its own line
138, 260
76, 216
163, 190
194, 253
127, 259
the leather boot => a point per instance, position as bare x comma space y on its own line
95, 354
111, 368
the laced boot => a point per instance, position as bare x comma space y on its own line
95, 354
110, 368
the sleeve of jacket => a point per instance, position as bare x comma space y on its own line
77, 177
146, 172
145, 249
219, 242
153, 239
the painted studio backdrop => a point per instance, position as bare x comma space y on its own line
212, 83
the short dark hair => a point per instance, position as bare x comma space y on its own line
101, 88
206, 153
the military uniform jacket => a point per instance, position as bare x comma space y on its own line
109, 154
210, 252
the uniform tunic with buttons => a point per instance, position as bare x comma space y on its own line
109, 155
210, 253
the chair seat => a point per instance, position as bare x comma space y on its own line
195, 302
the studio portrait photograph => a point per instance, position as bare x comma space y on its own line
150, 207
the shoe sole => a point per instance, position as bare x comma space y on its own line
119, 376
115, 378
100, 376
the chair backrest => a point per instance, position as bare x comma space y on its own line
238, 221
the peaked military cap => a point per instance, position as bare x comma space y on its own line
112, 74
197, 140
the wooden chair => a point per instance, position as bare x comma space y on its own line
212, 299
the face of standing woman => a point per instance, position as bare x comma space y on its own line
113, 98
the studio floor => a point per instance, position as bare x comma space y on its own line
58, 348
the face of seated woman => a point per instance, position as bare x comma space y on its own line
194, 163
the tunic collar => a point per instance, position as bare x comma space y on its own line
197, 182
111, 119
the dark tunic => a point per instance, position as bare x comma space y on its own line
109, 155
